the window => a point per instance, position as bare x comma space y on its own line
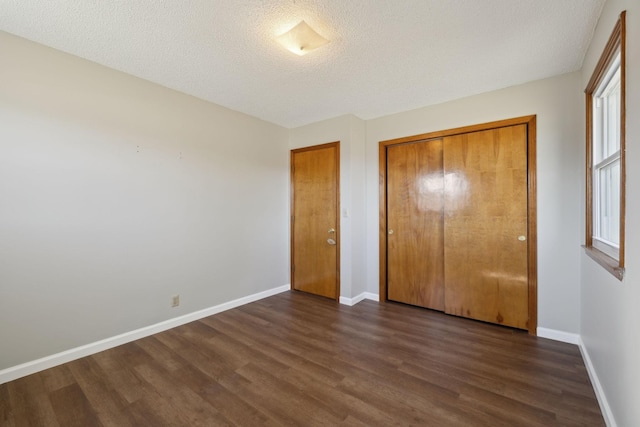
605, 100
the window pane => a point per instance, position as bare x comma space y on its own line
606, 119
612, 116
598, 124
608, 203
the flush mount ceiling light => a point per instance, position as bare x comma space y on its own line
301, 39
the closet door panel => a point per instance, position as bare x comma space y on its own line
415, 253
485, 225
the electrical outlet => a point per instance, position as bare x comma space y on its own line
175, 300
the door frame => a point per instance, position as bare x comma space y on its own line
293, 152
532, 246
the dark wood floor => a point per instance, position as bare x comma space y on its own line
296, 359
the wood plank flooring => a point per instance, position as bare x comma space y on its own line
297, 359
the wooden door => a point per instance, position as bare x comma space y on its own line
485, 225
415, 252
315, 242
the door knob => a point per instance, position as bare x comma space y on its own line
522, 238
331, 242
390, 231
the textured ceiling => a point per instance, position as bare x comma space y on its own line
384, 57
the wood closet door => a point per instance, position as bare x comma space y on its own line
485, 223
315, 233
415, 263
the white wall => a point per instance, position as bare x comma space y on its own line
557, 104
610, 324
116, 193
350, 131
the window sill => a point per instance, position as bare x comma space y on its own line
609, 264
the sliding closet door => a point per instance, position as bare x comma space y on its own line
415, 263
485, 225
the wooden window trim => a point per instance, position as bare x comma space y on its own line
532, 191
617, 41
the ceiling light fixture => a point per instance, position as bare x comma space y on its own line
301, 39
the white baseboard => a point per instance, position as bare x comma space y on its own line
358, 298
371, 296
597, 387
556, 335
15, 372
595, 382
